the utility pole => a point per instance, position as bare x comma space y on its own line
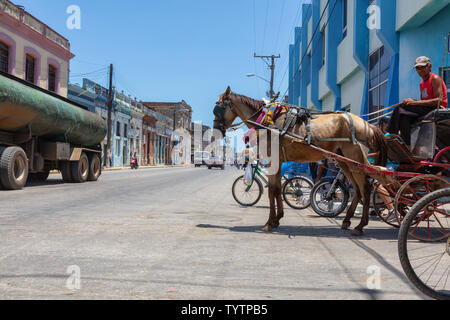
272, 69
107, 158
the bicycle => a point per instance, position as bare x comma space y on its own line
295, 191
330, 196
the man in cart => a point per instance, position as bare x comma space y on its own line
433, 95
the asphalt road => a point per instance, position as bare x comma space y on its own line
177, 233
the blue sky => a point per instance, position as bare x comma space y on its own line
169, 50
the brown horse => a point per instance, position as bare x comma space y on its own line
328, 125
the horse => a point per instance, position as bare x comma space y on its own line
327, 125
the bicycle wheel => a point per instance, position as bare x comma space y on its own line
427, 264
297, 192
245, 195
329, 204
381, 208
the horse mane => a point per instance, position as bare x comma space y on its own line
254, 104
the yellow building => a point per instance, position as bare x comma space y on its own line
31, 50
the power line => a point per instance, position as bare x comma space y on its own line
292, 28
312, 38
279, 25
265, 26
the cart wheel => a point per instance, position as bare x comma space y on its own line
297, 192
443, 156
427, 264
411, 192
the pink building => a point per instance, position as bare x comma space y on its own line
31, 50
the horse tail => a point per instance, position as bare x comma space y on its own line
380, 146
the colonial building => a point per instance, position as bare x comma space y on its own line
100, 94
163, 129
180, 114
358, 54
31, 50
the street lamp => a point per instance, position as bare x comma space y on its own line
269, 93
254, 75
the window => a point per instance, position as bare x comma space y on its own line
446, 77
118, 147
51, 78
118, 129
323, 47
4, 57
379, 65
344, 18
30, 68
125, 129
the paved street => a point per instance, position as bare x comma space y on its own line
176, 233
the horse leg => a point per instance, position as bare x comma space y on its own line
358, 231
280, 208
357, 196
351, 211
270, 225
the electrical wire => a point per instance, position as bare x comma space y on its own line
312, 38
293, 30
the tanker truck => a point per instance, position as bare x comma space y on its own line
41, 131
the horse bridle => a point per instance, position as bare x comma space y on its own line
219, 112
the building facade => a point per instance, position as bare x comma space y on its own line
180, 114
360, 56
31, 50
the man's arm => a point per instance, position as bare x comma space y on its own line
436, 83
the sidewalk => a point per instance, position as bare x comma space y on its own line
140, 167
148, 167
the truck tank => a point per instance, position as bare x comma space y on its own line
25, 108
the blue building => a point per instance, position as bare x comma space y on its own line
360, 56
84, 97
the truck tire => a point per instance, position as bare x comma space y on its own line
95, 167
80, 169
66, 171
13, 168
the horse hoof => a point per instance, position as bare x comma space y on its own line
357, 233
346, 225
267, 228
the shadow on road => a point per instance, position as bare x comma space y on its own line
313, 231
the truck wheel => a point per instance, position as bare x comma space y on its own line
66, 171
13, 168
80, 169
95, 167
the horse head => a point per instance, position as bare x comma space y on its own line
224, 112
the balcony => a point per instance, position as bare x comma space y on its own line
28, 20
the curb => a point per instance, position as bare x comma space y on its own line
140, 167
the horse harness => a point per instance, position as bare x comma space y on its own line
294, 115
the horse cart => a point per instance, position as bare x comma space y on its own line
419, 190
420, 193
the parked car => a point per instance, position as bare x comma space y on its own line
201, 157
215, 162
